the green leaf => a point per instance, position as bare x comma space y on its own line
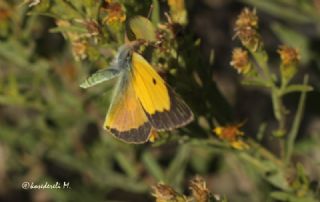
290, 197
66, 10
297, 88
142, 28
296, 123
127, 165
75, 29
178, 164
153, 167
18, 57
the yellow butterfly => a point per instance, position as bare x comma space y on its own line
142, 101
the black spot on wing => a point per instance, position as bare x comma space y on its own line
178, 115
154, 81
136, 135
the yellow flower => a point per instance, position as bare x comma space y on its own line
153, 136
231, 134
239, 144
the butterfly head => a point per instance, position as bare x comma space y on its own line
124, 55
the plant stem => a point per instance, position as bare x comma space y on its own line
279, 111
296, 123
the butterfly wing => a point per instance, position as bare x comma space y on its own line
126, 118
120, 62
100, 76
163, 107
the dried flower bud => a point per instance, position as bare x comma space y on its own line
92, 27
79, 49
79, 45
290, 57
240, 61
250, 38
72, 36
199, 189
164, 193
246, 29
247, 18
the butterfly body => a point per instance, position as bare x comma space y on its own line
142, 101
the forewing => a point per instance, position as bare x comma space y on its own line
164, 108
126, 118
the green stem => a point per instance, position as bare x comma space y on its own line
279, 111
296, 123
276, 105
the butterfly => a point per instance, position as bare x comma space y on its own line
142, 101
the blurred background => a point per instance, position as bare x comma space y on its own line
51, 129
